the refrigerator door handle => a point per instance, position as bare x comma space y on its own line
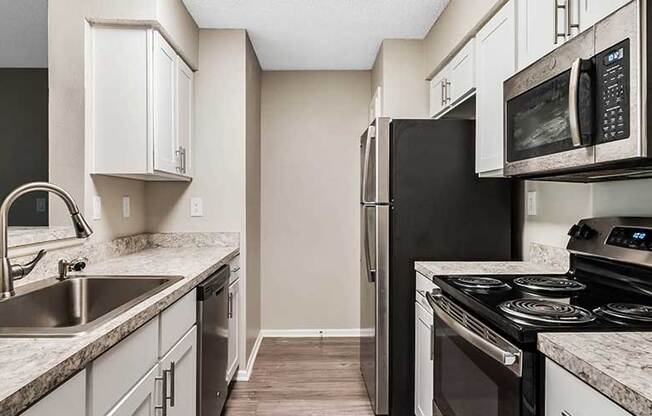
371, 135
371, 268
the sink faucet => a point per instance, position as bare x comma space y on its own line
10, 272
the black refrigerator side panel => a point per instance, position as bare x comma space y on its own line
441, 211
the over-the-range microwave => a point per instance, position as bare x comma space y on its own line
580, 113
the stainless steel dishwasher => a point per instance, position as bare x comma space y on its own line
212, 354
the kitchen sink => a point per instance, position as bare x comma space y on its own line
62, 308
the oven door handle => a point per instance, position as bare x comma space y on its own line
507, 358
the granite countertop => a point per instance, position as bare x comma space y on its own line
31, 367
618, 364
451, 268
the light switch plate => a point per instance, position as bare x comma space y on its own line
97, 207
196, 207
532, 203
126, 206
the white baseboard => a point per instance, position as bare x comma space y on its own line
311, 333
244, 375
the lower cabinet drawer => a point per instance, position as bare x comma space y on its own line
177, 320
567, 395
115, 372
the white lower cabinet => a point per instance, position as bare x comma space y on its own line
234, 331
139, 375
143, 399
68, 399
423, 363
179, 369
567, 395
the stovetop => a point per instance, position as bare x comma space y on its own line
582, 301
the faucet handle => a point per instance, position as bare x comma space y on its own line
18, 271
74, 265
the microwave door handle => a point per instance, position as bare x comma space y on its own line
573, 107
371, 135
506, 358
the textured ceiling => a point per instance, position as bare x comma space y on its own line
318, 34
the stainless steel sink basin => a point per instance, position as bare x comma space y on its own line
53, 308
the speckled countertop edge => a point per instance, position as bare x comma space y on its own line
617, 364
51, 361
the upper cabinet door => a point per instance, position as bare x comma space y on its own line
592, 11
537, 34
166, 148
184, 110
462, 74
438, 96
495, 62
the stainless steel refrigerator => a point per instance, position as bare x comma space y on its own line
420, 199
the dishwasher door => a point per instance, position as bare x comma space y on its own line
213, 329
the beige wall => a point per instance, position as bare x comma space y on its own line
218, 144
311, 123
69, 156
459, 21
405, 89
252, 196
561, 205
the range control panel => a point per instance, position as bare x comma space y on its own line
631, 237
612, 84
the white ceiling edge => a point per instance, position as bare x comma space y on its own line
319, 34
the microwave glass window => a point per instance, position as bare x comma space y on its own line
538, 121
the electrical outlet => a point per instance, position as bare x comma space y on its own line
532, 203
126, 206
40, 205
196, 207
97, 207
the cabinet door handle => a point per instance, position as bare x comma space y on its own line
569, 19
565, 413
443, 92
172, 383
230, 306
183, 160
179, 157
556, 8
448, 91
432, 343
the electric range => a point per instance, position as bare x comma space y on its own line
486, 327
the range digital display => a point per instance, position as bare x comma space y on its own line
636, 238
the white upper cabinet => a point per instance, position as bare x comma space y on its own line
538, 30
454, 83
495, 62
438, 100
592, 11
165, 137
462, 74
184, 109
140, 105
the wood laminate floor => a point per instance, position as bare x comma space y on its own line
302, 377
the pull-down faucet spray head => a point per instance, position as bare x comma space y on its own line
9, 272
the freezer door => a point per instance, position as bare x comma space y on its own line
374, 304
374, 163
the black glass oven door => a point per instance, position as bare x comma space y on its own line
467, 382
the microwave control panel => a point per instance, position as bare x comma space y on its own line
612, 84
